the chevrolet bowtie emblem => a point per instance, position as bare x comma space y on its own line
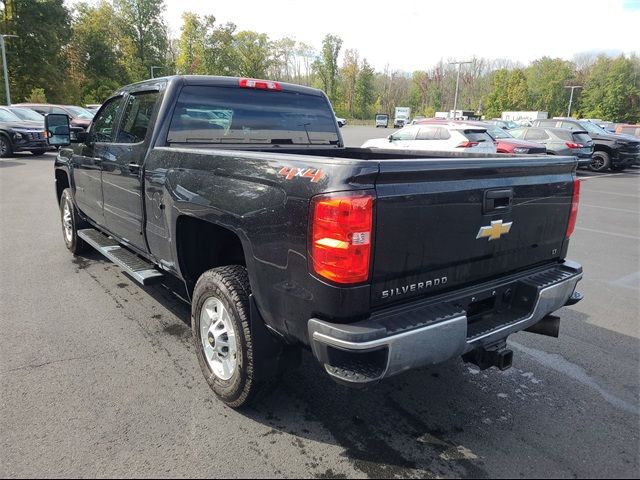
495, 231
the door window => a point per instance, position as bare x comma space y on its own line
536, 134
408, 133
104, 122
137, 117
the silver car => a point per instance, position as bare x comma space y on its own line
560, 141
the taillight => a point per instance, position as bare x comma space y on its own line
575, 200
259, 84
341, 230
468, 144
574, 145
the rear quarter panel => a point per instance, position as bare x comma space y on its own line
254, 195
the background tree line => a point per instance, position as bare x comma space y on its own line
82, 54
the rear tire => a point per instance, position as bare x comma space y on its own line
222, 335
600, 162
71, 223
6, 149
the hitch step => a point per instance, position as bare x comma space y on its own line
137, 268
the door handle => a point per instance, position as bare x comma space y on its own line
497, 200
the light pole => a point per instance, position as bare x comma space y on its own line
455, 98
572, 87
6, 70
152, 68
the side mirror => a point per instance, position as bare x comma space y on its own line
57, 130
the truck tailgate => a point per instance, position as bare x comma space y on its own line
442, 224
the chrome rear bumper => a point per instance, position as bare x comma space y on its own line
431, 332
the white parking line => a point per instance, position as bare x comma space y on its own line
603, 175
635, 212
613, 193
622, 235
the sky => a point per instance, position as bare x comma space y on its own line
411, 35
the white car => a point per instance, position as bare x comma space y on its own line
341, 121
439, 138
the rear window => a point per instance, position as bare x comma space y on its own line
245, 116
582, 138
477, 135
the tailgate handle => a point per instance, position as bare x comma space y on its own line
497, 200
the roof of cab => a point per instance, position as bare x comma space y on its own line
212, 80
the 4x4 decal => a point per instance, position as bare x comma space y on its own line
291, 172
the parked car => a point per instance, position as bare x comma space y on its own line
505, 142
341, 121
78, 116
382, 120
17, 135
417, 119
611, 151
26, 114
378, 262
560, 141
627, 129
449, 137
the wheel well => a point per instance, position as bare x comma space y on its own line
202, 245
602, 148
62, 182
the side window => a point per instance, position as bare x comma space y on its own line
536, 134
59, 111
443, 134
136, 118
104, 122
428, 133
570, 126
405, 134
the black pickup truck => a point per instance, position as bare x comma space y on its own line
378, 261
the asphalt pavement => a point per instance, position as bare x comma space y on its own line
98, 376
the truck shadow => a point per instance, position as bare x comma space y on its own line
450, 420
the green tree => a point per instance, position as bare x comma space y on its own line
95, 65
253, 54
36, 57
546, 79
145, 40
365, 95
612, 90
517, 90
496, 101
327, 65
37, 95
190, 59
349, 78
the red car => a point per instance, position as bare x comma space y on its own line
505, 142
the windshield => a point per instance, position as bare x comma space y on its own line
497, 132
80, 112
249, 116
593, 128
7, 116
27, 114
381, 117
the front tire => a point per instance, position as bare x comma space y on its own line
220, 324
6, 149
71, 223
600, 162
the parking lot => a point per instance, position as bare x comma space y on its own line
98, 376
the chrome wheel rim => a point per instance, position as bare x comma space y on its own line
67, 223
218, 338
